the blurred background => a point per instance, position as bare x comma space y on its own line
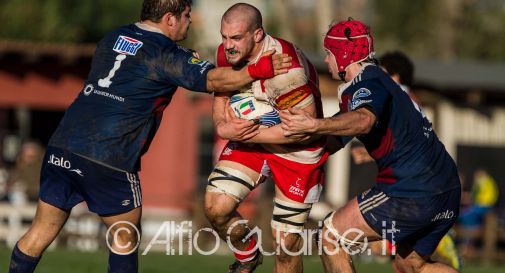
457, 47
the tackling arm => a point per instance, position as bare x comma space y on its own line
275, 134
353, 123
223, 79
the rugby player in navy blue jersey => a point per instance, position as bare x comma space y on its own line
416, 198
94, 155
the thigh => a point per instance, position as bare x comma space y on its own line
393, 218
131, 217
426, 241
58, 178
48, 219
240, 169
108, 191
295, 181
45, 227
348, 222
250, 156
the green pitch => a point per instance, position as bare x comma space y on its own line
64, 261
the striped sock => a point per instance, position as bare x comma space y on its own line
244, 258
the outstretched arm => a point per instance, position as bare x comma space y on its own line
353, 123
223, 79
275, 134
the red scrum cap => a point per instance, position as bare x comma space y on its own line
350, 42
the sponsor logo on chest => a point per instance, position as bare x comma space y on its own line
126, 45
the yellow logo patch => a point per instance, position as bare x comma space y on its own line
292, 98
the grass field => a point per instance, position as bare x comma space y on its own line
64, 261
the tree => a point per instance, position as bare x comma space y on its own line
64, 21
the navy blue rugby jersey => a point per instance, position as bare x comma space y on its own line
133, 77
412, 161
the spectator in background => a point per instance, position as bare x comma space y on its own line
24, 179
4, 178
479, 202
400, 68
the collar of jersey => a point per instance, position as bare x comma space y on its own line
268, 42
147, 27
356, 79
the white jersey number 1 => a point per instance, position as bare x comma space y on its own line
106, 82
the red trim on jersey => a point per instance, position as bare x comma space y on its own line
313, 77
289, 48
386, 176
386, 146
344, 105
130, 39
262, 85
221, 57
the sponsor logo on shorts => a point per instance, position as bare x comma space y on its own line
448, 214
125, 203
62, 163
126, 45
295, 189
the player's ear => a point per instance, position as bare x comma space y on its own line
258, 34
169, 19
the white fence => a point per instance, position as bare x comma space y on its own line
82, 230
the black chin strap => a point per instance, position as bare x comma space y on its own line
342, 76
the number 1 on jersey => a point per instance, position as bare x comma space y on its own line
106, 82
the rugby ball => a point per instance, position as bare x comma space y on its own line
246, 106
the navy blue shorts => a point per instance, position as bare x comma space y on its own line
67, 179
418, 223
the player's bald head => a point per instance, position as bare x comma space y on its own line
246, 13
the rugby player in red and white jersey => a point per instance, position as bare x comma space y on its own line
296, 164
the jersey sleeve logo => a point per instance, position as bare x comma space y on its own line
196, 61
361, 93
203, 64
126, 45
292, 98
358, 98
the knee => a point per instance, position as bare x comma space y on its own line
34, 242
218, 208
288, 246
124, 238
329, 242
409, 265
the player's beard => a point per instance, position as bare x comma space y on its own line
234, 58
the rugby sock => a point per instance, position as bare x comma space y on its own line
22, 263
250, 256
123, 263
